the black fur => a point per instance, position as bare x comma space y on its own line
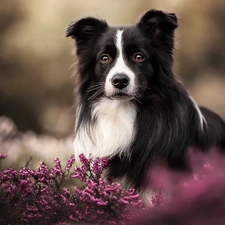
167, 122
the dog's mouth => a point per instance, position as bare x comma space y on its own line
121, 96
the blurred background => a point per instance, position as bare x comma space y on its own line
36, 82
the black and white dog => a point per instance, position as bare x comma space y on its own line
130, 105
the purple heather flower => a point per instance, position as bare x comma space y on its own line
96, 167
3, 155
85, 162
70, 163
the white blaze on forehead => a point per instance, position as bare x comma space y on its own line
119, 43
119, 67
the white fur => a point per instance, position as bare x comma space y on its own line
112, 131
119, 67
201, 117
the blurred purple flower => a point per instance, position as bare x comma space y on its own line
3, 155
193, 198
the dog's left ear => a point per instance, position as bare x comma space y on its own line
158, 24
85, 29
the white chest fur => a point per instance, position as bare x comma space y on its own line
112, 131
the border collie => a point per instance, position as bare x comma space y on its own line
130, 105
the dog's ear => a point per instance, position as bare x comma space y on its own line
158, 24
85, 29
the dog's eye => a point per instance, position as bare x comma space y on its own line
105, 58
138, 57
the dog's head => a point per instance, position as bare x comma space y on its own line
122, 62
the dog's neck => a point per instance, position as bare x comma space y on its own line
109, 131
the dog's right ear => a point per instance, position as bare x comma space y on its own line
159, 26
158, 23
85, 29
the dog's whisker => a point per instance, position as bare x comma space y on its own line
96, 94
94, 87
100, 83
143, 87
136, 97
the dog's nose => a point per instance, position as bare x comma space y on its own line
120, 81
